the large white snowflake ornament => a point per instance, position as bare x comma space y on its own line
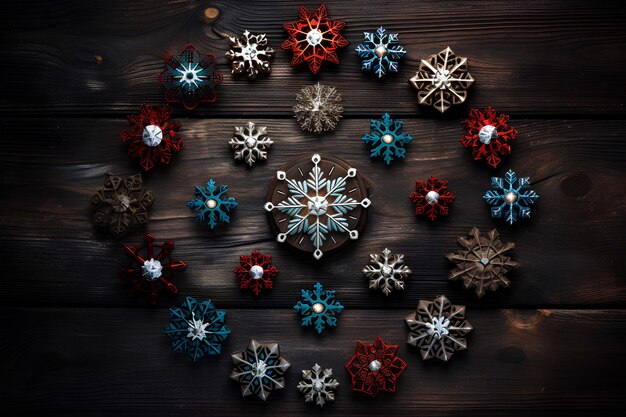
249, 54
386, 271
318, 385
250, 143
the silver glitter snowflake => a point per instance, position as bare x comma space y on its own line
317, 206
250, 143
249, 54
318, 108
386, 271
318, 385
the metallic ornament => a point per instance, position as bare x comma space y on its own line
259, 369
250, 143
510, 198
386, 271
318, 308
190, 78
380, 52
375, 368
211, 204
256, 272
431, 198
122, 204
317, 205
442, 81
318, 385
438, 328
197, 328
386, 138
488, 135
151, 271
249, 54
314, 38
482, 262
318, 108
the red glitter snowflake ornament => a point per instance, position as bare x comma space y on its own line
256, 272
314, 38
375, 368
152, 136
431, 198
149, 271
488, 134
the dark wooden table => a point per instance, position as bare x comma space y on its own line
72, 343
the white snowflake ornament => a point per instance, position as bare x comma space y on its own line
250, 143
386, 271
249, 54
318, 385
318, 108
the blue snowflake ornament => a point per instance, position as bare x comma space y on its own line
197, 328
318, 307
386, 138
211, 205
510, 197
380, 52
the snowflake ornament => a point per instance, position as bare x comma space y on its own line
318, 308
438, 328
259, 369
380, 52
190, 78
510, 198
256, 272
249, 54
211, 204
431, 198
488, 135
386, 271
375, 368
151, 271
250, 143
442, 81
386, 138
318, 385
314, 38
318, 108
197, 328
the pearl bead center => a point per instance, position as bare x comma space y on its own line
152, 270
487, 133
387, 270
211, 203
152, 135
250, 142
374, 365
318, 308
381, 51
510, 197
256, 272
388, 138
314, 37
432, 197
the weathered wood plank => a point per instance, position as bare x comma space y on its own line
537, 57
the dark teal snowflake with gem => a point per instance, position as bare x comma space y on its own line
318, 308
211, 204
386, 138
510, 197
380, 52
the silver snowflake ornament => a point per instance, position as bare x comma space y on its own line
386, 271
318, 385
380, 52
318, 108
249, 54
250, 143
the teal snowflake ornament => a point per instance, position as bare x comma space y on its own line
318, 307
211, 204
386, 138
510, 197
380, 52
197, 328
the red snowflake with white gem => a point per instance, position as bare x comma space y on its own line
256, 272
152, 136
431, 198
375, 367
314, 38
487, 135
151, 267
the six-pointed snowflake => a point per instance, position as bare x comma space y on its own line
250, 143
317, 206
386, 271
318, 308
211, 204
197, 328
488, 134
380, 52
249, 54
386, 138
510, 198
318, 385
431, 198
318, 108
256, 272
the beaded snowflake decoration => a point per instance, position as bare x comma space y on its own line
386, 271
256, 272
318, 308
318, 108
197, 328
259, 369
386, 138
488, 134
510, 197
318, 385
431, 198
250, 143
211, 204
249, 54
380, 52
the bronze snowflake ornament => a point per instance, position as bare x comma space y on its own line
482, 262
249, 54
